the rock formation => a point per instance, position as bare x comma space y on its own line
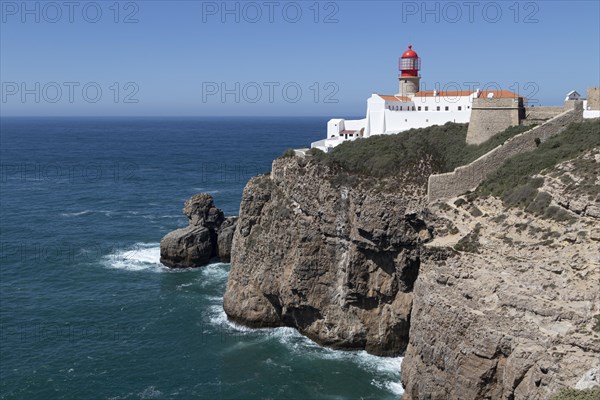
334, 260
207, 236
486, 302
512, 314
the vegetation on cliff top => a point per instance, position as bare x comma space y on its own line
574, 141
388, 155
515, 182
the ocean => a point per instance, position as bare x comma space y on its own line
86, 309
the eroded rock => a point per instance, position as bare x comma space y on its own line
208, 235
336, 261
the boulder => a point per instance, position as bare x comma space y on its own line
208, 235
186, 247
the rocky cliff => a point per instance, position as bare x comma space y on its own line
507, 309
208, 235
485, 302
331, 257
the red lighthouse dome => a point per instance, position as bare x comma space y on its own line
410, 63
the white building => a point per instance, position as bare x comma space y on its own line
410, 108
573, 95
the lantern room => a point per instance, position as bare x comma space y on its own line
410, 63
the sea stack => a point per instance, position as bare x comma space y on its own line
208, 235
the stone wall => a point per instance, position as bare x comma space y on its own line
593, 98
492, 116
539, 115
468, 177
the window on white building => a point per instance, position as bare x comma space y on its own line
426, 108
438, 108
459, 108
413, 108
419, 108
400, 108
447, 108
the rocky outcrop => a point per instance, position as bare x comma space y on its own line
512, 313
207, 236
329, 257
485, 302
574, 184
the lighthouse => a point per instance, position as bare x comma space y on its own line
409, 66
414, 108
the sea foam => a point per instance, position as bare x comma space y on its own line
139, 257
387, 369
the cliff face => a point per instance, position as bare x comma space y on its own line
493, 303
511, 314
320, 254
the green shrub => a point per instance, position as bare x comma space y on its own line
550, 234
499, 218
520, 196
472, 152
597, 325
566, 179
475, 211
443, 146
574, 394
459, 202
520, 227
513, 181
288, 153
470, 243
558, 214
470, 196
575, 140
539, 205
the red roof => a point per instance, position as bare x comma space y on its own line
388, 97
464, 93
410, 53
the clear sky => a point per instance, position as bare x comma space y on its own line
205, 58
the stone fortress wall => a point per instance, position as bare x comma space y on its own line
593, 98
539, 115
468, 177
490, 116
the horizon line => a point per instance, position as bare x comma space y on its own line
166, 116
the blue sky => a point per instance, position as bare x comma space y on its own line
204, 58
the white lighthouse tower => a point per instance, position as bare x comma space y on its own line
409, 66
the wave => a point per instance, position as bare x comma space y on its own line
153, 217
139, 257
110, 213
204, 190
151, 392
86, 212
76, 214
386, 369
146, 257
214, 274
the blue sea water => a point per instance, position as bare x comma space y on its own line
86, 309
